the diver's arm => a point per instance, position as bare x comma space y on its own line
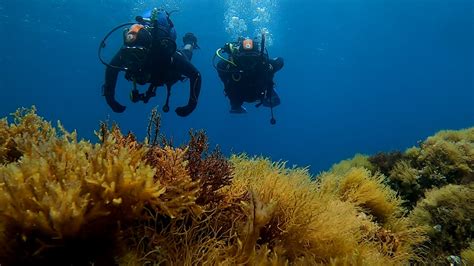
190, 43
187, 69
276, 64
188, 51
111, 75
223, 70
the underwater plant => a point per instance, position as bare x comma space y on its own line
384, 162
449, 214
359, 160
445, 158
435, 181
26, 130
367, 191
127, 202
211, 169
442, 159
468, 254
308, 222
64, 200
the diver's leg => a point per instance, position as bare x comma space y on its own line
236, 107
271, 98
236, 101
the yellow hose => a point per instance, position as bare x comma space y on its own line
223, 58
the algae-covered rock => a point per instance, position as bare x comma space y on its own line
435, 180
445, 158
448, 212
384, 162
65, 201
121, 201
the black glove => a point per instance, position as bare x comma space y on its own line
116, 107
190, 38
185, 110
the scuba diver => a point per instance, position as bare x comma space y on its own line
149, 55
247, 73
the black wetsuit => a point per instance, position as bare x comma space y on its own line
161, 71
249, 85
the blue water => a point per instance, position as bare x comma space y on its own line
360, 76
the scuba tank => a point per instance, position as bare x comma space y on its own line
137, 42
146, 40
248, 57
154, 36
163, 32
243, 56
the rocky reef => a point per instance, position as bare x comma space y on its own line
120, 201
435, 180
